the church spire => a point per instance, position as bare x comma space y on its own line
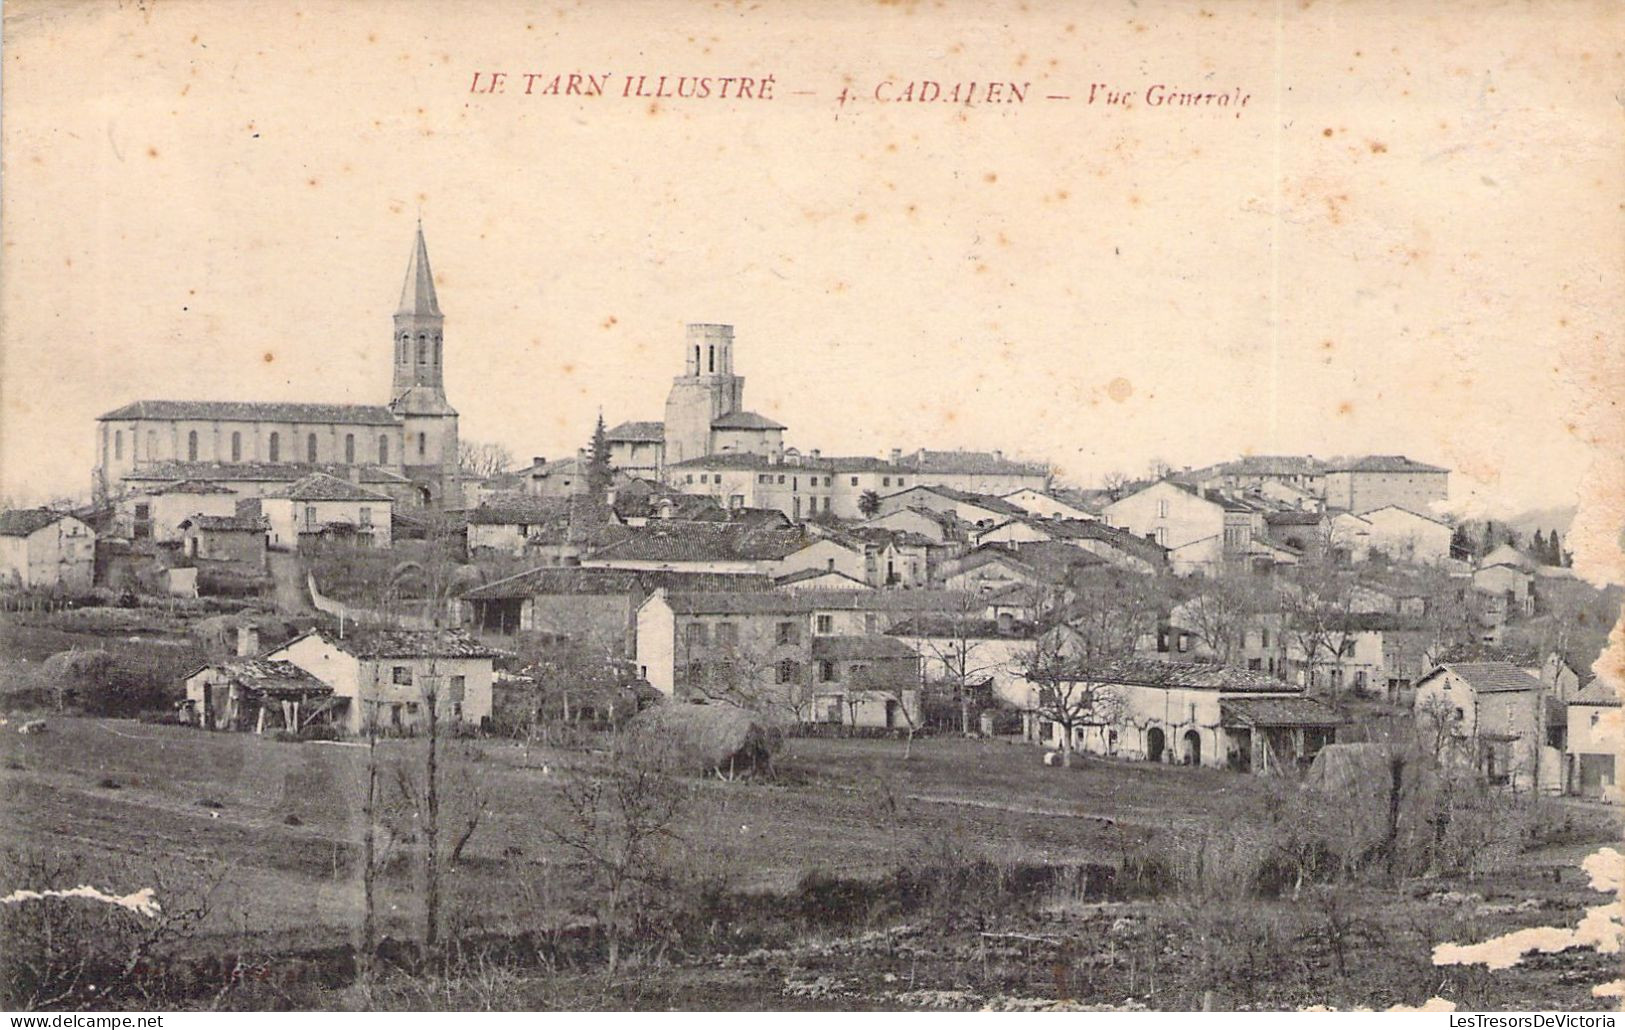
417, 294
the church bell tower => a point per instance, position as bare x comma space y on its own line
418, 388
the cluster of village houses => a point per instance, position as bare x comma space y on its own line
712, 562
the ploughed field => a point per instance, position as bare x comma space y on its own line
797, 878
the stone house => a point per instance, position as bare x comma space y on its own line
1378, 480
1192, 714
386, 675
1594, 740
1045, 505
40, 548
156, 512
320, 505
758, 648
1406, 536
1494, 717
238, 539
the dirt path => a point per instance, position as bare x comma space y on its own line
289, 579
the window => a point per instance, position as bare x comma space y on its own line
310, 515
191, 445
236, 447
349, 448
1162, 509
423, 349
826, 504
688, 478
383, 450
459, 684
696, 672
1184, 641
727, 634
310, 448
1263, 638
152, 445
826, 624
1255, 664
366, 516
275, 445
1162, 535
871, 622
885, 481
437, 349
787, 633
703, 478
826, 671
695, 635
423, 444
763, 477
401, 675
854, 480
736, 501
781, 480
711, 359
787, 671
118, 443
901, 481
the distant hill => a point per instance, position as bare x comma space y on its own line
1543, 519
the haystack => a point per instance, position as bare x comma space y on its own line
707, 738
78, 668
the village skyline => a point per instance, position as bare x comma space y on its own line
1093, 288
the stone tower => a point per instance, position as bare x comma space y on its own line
706, 391
419, 391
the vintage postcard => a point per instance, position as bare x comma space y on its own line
986, 506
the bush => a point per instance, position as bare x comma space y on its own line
320, 731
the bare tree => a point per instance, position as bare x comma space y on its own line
617, 819
483, 459
1317, 605
1073, 692
955, 643
1223, 609
1114, 481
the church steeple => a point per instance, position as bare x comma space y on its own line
417, 294
418, 327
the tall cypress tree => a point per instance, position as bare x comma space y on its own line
1538, 549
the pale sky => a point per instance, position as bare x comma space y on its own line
1409, 240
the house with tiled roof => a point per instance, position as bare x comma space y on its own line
155, 510
254, 694
1596, 726
980, 510
637, 448
321, 506
1201, 528
1379, 480
1494, 717
978, 472
41, 548
388, 677
698, 547
413, 435
1408, 536
1185, 713
241, 539
788, 653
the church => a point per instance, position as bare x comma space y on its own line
405, 448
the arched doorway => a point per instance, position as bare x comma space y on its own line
1155, 743
1193, 748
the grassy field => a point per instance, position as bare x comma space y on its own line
275, 828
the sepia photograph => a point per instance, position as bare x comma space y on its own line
986, 506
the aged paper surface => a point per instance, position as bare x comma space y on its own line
1401, 234
1100, 235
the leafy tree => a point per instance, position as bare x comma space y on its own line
1539, 550
869, 504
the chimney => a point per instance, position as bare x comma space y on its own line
999, 455
537, 459
896, 455
353, 474
813, 454
248, 640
